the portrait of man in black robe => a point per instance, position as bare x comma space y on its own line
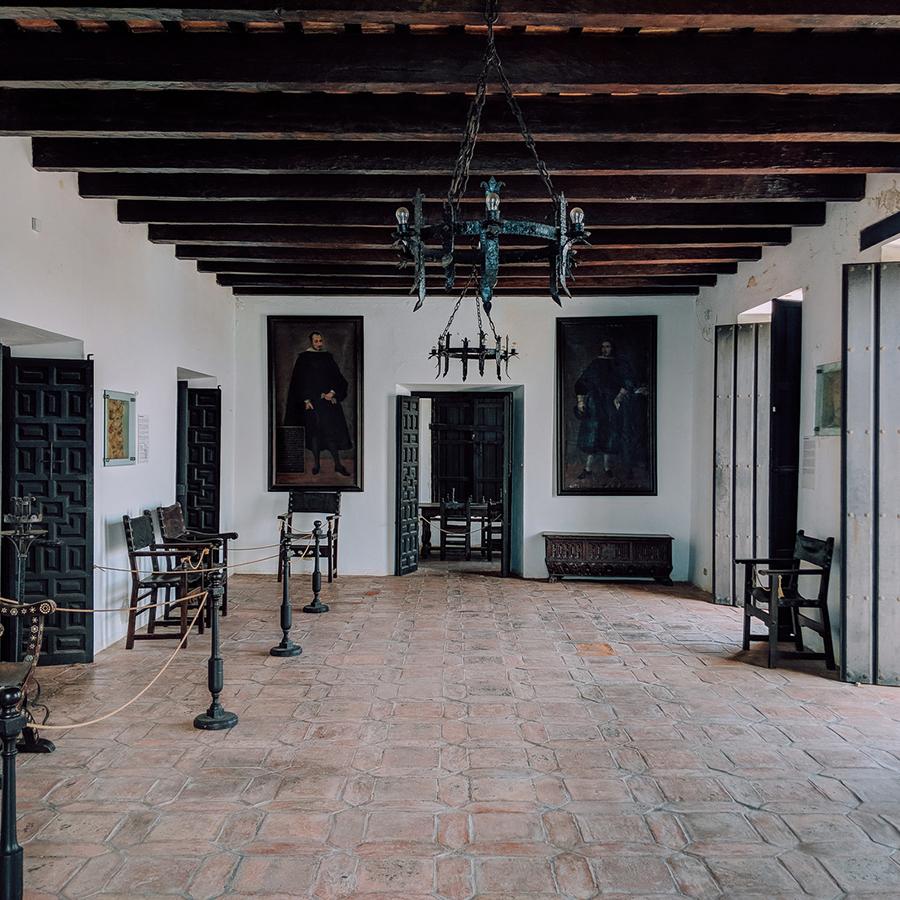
314, 400
607, 409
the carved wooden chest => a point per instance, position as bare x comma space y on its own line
582, 554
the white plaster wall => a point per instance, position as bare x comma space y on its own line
138, 310
813, 262
396, 347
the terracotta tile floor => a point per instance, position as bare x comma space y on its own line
465, 736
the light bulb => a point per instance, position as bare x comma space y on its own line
576, 214
402, 215
492, 201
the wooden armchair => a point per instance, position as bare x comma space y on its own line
175, 582
19, 674
174, 531
456, 528
325, 504
782, 592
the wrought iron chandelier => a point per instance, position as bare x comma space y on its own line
498, 350
413, 234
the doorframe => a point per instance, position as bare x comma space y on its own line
508, 448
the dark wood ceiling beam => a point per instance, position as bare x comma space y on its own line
351, 257
323, 214
816, 63
415, 160
376, 239
408, 117
567, 14
584, 271
507, 282
518, 188
403, 296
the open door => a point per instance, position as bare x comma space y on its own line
181, 445
48, 452
407, 524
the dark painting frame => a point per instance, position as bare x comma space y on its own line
629, 431
291, 456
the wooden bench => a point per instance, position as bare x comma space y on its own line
579, 554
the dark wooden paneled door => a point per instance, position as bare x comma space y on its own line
489, 436
452, 457
407, 524
784, 425
204, 455
181, 445
48, 452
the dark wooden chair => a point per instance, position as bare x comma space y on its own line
326, 504
456, 528
174, 531
19, 674
492, 530
173, 583
766, 601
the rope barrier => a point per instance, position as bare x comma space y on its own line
217, 568
147, 687
427, 521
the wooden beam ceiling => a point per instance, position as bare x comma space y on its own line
519, 13
380, 239
409, 117
413, 160
272, 144
684, 63
517, 189
378, 215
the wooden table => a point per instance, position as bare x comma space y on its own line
581, 554
429, 511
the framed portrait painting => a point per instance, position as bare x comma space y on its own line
315, 402
606, 405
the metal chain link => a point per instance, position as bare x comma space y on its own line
460, 178
459, 300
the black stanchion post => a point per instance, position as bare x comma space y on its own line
316, 606
11, 856
287, 647
215, 718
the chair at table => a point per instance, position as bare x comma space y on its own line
326, 504
173, 583
174, 531
782, 592
492, 534
456, 528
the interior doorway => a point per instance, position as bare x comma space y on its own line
455, 490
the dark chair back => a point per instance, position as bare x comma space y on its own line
327, 502
138, 532
171, 521
816, 552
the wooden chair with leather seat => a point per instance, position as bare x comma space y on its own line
174, 532
326, 504
782, 592
456, 528
173, 583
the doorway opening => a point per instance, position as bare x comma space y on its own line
458, 497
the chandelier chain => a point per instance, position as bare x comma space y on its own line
473, 121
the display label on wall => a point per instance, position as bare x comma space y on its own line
143, 439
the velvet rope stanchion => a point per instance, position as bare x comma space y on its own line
215, 718
316, 606
12, 720
287, 647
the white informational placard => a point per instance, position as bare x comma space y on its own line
143, 439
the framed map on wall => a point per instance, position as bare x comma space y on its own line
606, 405
315, 402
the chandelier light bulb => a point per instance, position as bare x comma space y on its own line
577, 216
492, 201
402, 215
